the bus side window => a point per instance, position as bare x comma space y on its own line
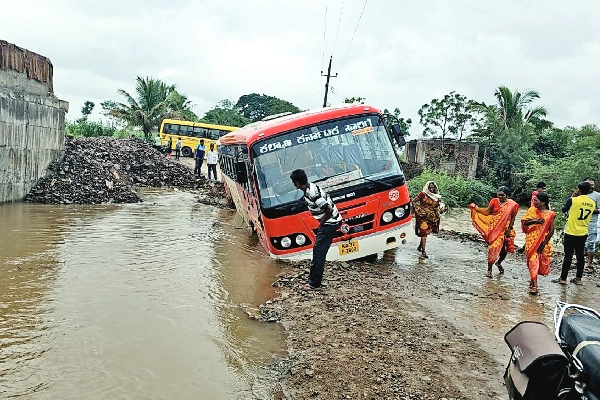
174, 129
214, 134
198, 131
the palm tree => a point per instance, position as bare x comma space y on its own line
154, 101
513, 107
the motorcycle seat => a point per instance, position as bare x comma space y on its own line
584, 331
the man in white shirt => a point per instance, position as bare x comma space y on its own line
212, 158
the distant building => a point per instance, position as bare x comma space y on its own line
456, 158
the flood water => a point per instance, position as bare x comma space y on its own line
132, 301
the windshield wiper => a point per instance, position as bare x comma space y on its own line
329, 177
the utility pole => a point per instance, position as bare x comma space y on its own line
327, 82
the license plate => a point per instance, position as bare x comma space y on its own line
347, 248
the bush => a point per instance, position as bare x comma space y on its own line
84, 128
456, 191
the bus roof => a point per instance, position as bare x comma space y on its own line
261, 129
201, 124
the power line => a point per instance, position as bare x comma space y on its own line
338, 27
324, 32
355, 29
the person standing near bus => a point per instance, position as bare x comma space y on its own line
323, 210
199, 155
212, 158
178, 148
158, 143
169, 147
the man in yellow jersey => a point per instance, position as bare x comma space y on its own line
580, 209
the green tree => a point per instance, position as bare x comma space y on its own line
405, 124
153, 101
255, 106
450, 116
352, 100
514, 132
224, 113
87, 109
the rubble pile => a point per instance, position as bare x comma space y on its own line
105, 170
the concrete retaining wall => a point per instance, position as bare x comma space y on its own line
32, 133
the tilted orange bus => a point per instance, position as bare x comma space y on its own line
346, 150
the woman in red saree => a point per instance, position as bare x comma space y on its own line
538, 227
495, 223
428, 206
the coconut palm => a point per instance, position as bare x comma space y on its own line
513, 107
154, 101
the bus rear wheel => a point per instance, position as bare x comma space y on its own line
186, 152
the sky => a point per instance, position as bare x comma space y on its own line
395, 54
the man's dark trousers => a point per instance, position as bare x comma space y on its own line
324, 239
574, 244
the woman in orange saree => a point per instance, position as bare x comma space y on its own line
538, 227
495, 223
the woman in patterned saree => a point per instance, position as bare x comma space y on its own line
538, 226
428, 206
495, 223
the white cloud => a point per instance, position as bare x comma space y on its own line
401, 54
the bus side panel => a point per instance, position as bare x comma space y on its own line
248, 207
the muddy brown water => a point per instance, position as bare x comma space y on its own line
142, 300
132, 301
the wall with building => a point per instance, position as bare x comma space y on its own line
32, 121
456, 158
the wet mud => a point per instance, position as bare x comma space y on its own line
410, 328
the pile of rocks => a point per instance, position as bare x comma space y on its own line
105, 170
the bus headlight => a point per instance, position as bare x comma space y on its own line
387, 217
399, 212
286, 242
300, 240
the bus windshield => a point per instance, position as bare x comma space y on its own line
334, 154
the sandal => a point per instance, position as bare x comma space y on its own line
488, 274
576, 281
424, 255
558, 280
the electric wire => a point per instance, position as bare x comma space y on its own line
338, 28
324, 32
355, 29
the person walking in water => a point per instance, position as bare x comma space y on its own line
428, 206
538, 227
495, 223
580, 209
326, 213
212, 158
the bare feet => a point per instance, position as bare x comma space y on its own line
500, 268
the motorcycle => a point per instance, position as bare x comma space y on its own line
560, 366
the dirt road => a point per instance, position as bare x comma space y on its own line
405, 328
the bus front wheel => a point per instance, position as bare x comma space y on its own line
186, 152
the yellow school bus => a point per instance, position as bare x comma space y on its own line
191, 133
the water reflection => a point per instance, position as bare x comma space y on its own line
131, 301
